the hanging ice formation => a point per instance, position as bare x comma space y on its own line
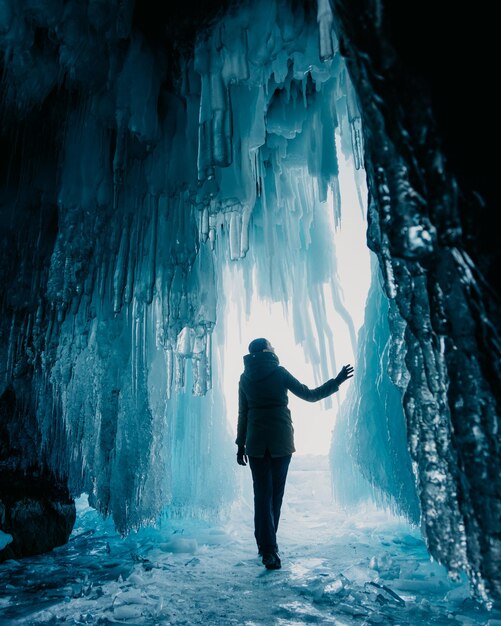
161, 180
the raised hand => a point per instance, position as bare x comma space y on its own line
344, 374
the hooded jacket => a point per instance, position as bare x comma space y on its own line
264, 419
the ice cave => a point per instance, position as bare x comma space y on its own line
177, 179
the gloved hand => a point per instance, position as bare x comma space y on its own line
344, 374
241, 456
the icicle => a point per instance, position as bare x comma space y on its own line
120, 274
220, 107
360, 185
202, 66
119, 158
11, 350
325, 21
205, 150
336, 201
214, 140
101, 277
235, 231
355, 123
218, 97
221, 132
144, 339
357, 142
204, 224
198, 362
208, 360
206, 305
304, 82
185, 339
137, 345
244, 236
169, 359
235, 51
152, 250
180, 369
129, 285
212, 238
176, 292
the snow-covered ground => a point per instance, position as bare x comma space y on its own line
364, 567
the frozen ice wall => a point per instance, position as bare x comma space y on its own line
429, 225
369, 451
146, 177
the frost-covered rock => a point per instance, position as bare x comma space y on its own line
33, 525
37, 512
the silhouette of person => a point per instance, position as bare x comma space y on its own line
265, 436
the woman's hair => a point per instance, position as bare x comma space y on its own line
258, 345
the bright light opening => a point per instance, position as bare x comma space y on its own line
313, 422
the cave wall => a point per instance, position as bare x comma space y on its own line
128, 184
37, 511
423, 78
55, 57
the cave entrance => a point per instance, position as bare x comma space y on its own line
248, 313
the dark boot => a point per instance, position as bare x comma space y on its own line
271, 560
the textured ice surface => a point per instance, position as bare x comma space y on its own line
369, 452
163, 178
338, 568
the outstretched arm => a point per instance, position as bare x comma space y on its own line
313, 395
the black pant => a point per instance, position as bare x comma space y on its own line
268, 477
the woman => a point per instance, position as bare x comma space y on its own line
265, 436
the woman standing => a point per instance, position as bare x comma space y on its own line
265, 435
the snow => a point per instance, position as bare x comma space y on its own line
343, 567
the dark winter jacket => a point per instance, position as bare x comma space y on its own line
264, 420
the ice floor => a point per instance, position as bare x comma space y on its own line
338, 568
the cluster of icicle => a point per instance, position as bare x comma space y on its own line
156, 189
